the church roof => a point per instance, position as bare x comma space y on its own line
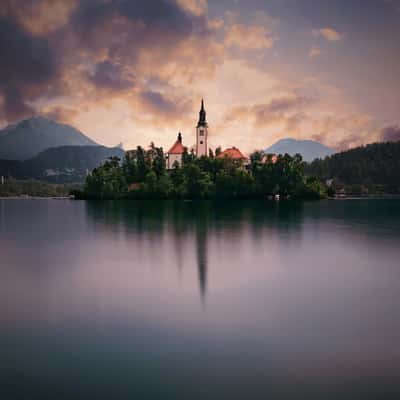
177, 148
232, 152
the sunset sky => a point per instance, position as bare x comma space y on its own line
134, 71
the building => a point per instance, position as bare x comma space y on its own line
202, 133
233, 153
175, 153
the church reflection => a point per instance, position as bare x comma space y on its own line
183, 230
201, 257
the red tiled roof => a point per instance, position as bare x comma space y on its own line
232, 152
177, 148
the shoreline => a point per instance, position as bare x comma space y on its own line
370, 197
37, 198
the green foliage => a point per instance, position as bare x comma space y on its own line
372, 168
107, 181
143, 174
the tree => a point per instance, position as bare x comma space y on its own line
106, 181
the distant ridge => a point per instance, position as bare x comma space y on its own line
309, 149
31, 136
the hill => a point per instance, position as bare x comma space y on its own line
60, 164
29, 137
309, 149
375, 164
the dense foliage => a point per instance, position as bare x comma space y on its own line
143, 174
369, 169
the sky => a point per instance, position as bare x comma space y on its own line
134, 71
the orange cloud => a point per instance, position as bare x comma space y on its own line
40, 17
329, 34
248, 37
314, 52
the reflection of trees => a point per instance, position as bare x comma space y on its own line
199, 221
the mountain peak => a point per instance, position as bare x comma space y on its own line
309, 149
33, 135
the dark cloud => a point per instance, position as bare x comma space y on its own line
111, 76
124, 26
27, 62
46, 59
391, 133
158, 102
287, 109
15, 105
24, 58
165, 15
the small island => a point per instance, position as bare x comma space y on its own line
200, 173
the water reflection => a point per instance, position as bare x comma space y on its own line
190, 227
199, 299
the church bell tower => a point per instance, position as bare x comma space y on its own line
202, 133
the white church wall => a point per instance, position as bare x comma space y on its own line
172, 158
201, 143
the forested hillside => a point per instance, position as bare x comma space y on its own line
375, 164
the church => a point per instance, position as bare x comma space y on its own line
175, 153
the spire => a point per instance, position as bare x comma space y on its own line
180, 137
202, 115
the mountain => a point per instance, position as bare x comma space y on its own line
60, 164
31, 136
309, 149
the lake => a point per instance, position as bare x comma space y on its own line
199, 300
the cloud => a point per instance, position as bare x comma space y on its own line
164, 109
39, 17
60, 113
158, 102
277, 110
248, 37
391, 133
84, 47
329, 34
111, 76
138, 69
393, 3
344, 131
28, 64
314, 52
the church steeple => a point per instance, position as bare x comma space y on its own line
202, 133
202, 115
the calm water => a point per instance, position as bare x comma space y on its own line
188, 300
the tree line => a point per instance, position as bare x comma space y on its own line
374, 168
143, 174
